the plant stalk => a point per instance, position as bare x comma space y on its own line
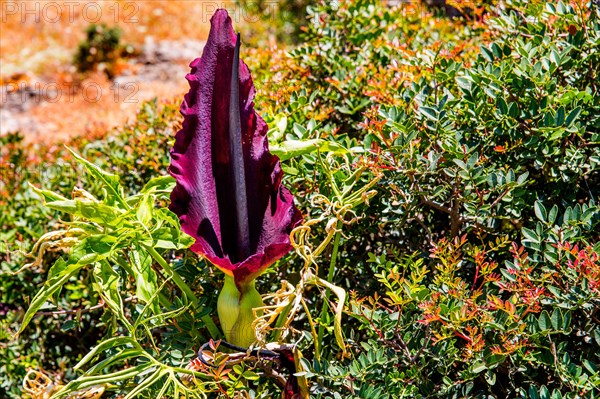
330, 274
208, 321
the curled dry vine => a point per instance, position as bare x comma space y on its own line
276, 322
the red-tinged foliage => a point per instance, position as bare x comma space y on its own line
582, 262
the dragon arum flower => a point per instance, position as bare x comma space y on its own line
229, 195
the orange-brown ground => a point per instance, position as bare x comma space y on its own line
37, 43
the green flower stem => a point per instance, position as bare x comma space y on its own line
208, 321
281, 319
236, 306
330, 274
312, 331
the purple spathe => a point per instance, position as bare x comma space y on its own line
204, 197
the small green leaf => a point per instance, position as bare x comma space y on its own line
530, 234
146, 383
429, 113
295, 148
557, 319
97, 212
478, 367
554, 57
573, 115
47, 196
513, 110
591, 367
300, 130
502, 107
490, 377
103, 346
472, 160
540, 211
496, 50
52, 285
552, 215
555, 291
108, 281
69, 325
487, 54
560, 116
544, 321
95, 380
111, 181
250, 375
145, 209
566, 324
145, 276
279, 126
160, 183
522, 178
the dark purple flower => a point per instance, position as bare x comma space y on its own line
229, 195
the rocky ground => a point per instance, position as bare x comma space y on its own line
48, 108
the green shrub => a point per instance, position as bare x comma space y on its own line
101, 47
475, 269
24, 219
283, 20
479, 150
